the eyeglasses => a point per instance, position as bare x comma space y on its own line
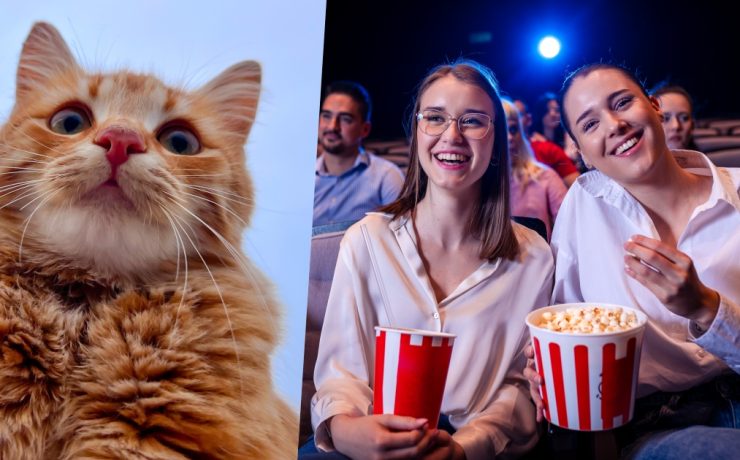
471, 125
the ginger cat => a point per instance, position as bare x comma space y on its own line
131, 325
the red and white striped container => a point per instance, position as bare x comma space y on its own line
589, 379
410, 372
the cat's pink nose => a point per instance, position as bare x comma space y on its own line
120, 143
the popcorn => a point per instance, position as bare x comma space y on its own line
589, 320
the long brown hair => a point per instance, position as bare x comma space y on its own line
490, 221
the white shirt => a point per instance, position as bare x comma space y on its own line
380, 280
598, 216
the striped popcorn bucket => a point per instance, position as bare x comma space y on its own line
410, 372
589, 379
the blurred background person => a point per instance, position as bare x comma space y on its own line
536, 189
546, 120
545, 151
349, 180
678, 115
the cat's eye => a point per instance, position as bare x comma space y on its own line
70, 120
179, 140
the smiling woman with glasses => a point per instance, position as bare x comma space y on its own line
444, 257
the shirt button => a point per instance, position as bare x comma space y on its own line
436, 315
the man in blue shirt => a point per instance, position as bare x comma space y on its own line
349, 180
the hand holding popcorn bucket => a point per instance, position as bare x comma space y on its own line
588, 357
410, 372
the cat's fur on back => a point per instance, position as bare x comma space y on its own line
131, 325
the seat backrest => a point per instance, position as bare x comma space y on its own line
728, 158
324, 251
724, 125
532, 223
704, 132
398, 155
712, 143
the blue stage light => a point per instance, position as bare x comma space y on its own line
549, 47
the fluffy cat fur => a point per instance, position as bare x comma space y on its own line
131, 325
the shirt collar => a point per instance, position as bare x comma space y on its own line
362, 161
724, 186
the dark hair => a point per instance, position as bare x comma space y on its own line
490, 221
584, 71
665, 87
539, 109
356, 91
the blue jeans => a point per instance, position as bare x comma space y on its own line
703, 422
308, 451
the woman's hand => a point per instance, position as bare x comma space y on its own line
445, 448
671, 276
382, 436
534, 383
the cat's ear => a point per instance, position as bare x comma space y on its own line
45, 54
235, 92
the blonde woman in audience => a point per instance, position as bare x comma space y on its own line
657, 230
536, 189
444, 257
545, 151
678, 116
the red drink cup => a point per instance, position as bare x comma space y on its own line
589, 379
410, 372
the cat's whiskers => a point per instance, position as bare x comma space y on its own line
16, 189
38, 142
179, 222
217, 204
49, 194
180, 245
27, 152
237, 255
11, 192
229, 247
24, 183
22, 160
25, 195
201, 175
41, 195
221, 193
12, 169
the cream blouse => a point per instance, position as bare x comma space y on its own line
380, 280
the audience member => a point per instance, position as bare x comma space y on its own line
349, 180
536, 190
658, 231
575, 155
545, 151
678, 115
546, 120
446, 257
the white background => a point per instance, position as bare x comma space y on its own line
190, 42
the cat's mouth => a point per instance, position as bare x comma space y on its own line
108, 194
